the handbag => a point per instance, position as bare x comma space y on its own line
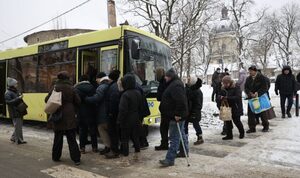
56, 117
54, 102
225, 111
269, 114
22, 108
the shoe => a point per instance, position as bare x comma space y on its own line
283, 116
82, 150
180, 155
56, 160
165, 163
77, 163
289, 115
199, 141
21, 142
242, 135
265, 130
95, 150
227, 138
144, 146
251, 131
223, 132
161, 147
111, 155
104, 151
12, 140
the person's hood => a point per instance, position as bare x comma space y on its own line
128, 82
243, 71
197, 85
82, 83
287, 68
104, 79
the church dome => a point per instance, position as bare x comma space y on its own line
225, 24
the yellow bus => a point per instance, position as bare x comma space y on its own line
125, 48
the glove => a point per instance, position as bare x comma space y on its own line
276, 92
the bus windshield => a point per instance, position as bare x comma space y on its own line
153, 55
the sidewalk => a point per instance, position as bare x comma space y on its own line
272, 154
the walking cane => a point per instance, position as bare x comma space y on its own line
183, 145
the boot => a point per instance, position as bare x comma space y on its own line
162, 147
199, 140
242, 135
289, 115
265, 129
229, 135
104, 151
111, 155
251, 131
82, 150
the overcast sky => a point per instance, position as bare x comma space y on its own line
17, 16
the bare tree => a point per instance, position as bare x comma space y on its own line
284, 25
241, 15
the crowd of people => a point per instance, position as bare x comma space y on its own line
115, 110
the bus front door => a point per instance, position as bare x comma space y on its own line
2, 88
89, 65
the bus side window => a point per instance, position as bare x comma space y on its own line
109, 60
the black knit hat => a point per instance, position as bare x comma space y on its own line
114, 75
101, 75
252, 67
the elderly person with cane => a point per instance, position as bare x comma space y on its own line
174, 107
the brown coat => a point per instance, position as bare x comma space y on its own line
70, 100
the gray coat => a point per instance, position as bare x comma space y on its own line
242, 79
12, 100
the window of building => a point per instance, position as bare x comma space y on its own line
24, 70
50, 64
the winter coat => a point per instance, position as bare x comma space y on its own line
174, 102
131, 104
233, 96
100, 100
87, 111
145, 109
12, 100
298, 77
258, 84
285, 84
242, 79
70, 102
161, 88
195, 102
215, 79
113, 96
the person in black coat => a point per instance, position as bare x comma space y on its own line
255, 86
13, 98
214, 83
195, 103
174, 107
86, 114
232, 94
113, 97
286, 85
145, 112
164, 122
130, 114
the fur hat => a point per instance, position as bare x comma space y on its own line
11, 82
171, 73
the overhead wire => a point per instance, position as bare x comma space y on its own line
44, 23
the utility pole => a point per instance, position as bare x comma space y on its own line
111, 13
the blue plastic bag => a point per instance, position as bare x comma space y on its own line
260, 104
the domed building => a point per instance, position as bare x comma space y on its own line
222, 41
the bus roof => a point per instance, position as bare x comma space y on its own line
79, 40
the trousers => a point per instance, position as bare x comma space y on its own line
58, 145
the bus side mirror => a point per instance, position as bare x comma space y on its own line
135, 48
